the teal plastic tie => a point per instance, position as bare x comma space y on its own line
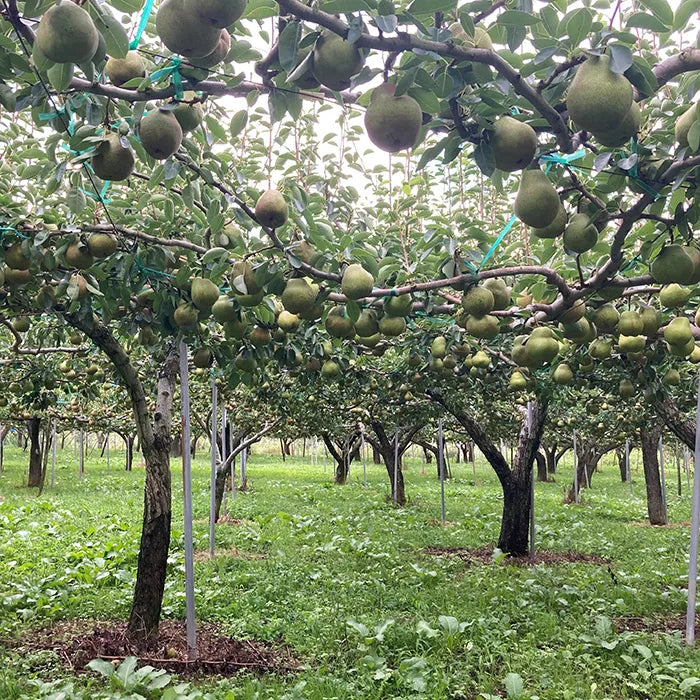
13, 229
499, 240
65, 110
101, 197
145, 14
567, 159
172, 70
634, 173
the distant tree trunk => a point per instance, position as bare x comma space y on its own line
35, 453
391, 454
223, 471
587, 457
516, 479
541, 467
621, 463
341, 450
650, 459
176, 446
427, 454
430, 451
193, 446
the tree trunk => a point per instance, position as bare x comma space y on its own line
155, 437
650, 459
515, 480
541, 467
223, 471
587, 458
35, 454
176, 446
621, 463
376, 456
342, 450
129, 452
391, 451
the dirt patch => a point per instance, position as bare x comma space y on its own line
484, 555
232, 552
78, 642
673, 623
668, 526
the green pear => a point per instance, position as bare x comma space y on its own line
122, 70
271, 209
335, 61
500, 291
678, 332
356, 282
580, 235
218, 13
299, 296
392, 123
673, 296
182, 30
112, 161
563, 374
513, 144
556, 228
160, 133
400, 305
480, 40
67, 34
478, 301
223, 46
673, 264
537, 202
204, 293
606, 317
339, 324
683, 125
598, 99
392, 326
624, 131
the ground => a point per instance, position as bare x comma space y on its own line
372, 601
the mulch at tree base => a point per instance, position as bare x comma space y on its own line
77, 642
672, 623
646, 523
484, 555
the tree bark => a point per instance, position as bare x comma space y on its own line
541, 467
516, 479
652, 478
35, 452
675, 421
621, 463
155, 436
386, 445
587, 458
342, 450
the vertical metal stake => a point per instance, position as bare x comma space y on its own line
694, 535
82, 453
663, 475
53, 454
187, 503
575, 471
363, 447
532, 488
627, 465
212, 475
441, 465
686, 466
396, 467
107, 450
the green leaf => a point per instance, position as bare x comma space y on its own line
427, 100
261, 9
514, 686
694, 136
128, 6
335, 6
579, 25
238, 122
621, 57
116, 40
684, 12
517, 18
75, 200
60, 75
483, 155
660, 9
430, 7
642, 20
7, 97
289, 45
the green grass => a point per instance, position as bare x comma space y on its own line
337, 554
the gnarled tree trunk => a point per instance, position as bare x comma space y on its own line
342, 450
650, 459
35, 452
587, 458
391, 451
516, 479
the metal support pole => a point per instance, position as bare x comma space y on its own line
212, 476
396, 467
663, 475
575, 471
107, 452
244, 465
441, 466
53, 453
686, 466
363, 448
532, 488
694, 535
627, 465
187, 503
82, 453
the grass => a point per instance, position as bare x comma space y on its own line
340, 574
